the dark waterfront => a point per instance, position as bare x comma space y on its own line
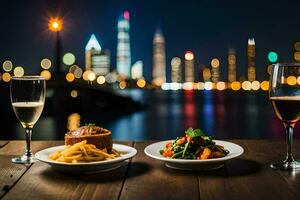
224, 114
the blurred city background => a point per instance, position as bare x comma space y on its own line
149, 69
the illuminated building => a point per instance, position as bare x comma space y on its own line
231, 65
176, 72
96, 59
206, 74
297, 51
159, 59
189, 66
251, 59
123, 46
137, 70
215, 63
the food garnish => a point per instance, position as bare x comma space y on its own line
194, 145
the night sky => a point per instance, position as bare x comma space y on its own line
207, 27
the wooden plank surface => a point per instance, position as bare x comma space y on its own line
150, 179
41, 182
3, 143
10, 173
250, 177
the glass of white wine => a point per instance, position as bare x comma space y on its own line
284, 94
27, 94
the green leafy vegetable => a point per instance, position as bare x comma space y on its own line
194, 133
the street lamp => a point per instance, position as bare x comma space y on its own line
56, 25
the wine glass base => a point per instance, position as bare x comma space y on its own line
24, 159
286, 166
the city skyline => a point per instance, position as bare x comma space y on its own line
207, 31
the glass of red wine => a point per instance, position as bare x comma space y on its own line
284, 94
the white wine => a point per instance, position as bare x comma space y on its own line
28, 112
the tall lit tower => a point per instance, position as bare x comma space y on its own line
215, 64
231, 65
159, 58
189, 66
137, 70
92, 47
176, 72
251, 59
123, 46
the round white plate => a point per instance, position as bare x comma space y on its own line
185, 164
88, 167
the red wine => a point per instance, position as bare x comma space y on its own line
287, 108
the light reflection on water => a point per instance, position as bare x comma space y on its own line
224, 114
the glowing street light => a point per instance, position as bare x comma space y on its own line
55, 24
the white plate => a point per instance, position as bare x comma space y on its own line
185, 164
89, 167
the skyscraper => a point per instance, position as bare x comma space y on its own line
215, 64
159, 59
101, 62
189, 67
231, 65
123, 46
251, 59
96, 59
91, 48
137, 70
176, 72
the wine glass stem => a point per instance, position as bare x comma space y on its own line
28, 132
289, 137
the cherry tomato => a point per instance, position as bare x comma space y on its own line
168, 145
168, 153
181, 141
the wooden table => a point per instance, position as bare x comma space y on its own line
248, 177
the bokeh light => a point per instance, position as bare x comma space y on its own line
297, 56
235, 85
91, 76
208, 85
122, 85
264, 85
46, 63
7, 65
73, 68
246, 85
74, 93
291, 80
189, 55
6, 77
188, 86
69, 59
215, 62
272, 56
70, 77
297, 46
73, 121
221, 85
78, 72
86, 74
101, 80
206, 74
55, 24
19, 71
255, 85
141, 83
200, 86
46, 74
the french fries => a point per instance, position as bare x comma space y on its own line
82, 152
